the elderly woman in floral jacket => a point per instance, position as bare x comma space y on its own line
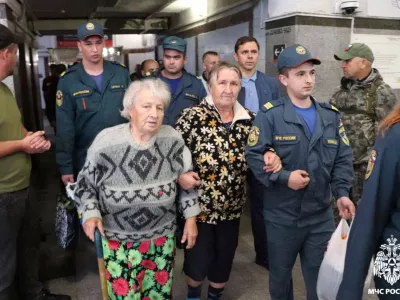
216, 133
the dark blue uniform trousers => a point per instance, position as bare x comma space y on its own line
284, 244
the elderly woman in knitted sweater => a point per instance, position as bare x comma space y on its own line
127, 189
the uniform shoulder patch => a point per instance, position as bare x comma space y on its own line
59, 98
333, 107
253, 136
118, 63
342, 133
66, 72
371, 164
270, 104
329, 106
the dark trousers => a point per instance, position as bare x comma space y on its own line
213, 254
284, 244
19, 245
256, 189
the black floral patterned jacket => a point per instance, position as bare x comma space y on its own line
218, 157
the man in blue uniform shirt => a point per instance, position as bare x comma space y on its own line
186, 89
89, 99
257, 89
316, 157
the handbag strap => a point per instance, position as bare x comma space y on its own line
351, 224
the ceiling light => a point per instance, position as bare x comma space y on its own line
178, 6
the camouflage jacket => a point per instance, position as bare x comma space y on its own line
363, 105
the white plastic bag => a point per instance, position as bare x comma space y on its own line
331, 270
332, 267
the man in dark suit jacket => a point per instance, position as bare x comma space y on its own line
257, 89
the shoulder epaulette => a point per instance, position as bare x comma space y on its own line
118, 63
271, 104
329, 106
70, 70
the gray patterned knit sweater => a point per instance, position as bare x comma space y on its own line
132, 186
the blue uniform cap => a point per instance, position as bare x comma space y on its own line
90, 29
294, 56
175, 43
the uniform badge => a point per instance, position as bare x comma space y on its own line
253, 136
90, 26
348, 47
371, 164
268, 105
342, 134
59, 98
334, 107
173, 42
301, 50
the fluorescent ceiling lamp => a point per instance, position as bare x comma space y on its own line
178, 6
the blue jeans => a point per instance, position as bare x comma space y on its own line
284, 244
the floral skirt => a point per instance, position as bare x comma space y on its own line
140, 271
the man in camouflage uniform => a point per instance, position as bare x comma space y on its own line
363, 99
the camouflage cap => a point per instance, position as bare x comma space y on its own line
294, 56
175, 43
356, 50
90, 29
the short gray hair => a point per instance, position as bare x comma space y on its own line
156, 86
221, 66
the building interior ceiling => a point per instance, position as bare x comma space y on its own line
89, 9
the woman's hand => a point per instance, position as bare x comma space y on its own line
190, 232
90, 225
272, 162
189, 180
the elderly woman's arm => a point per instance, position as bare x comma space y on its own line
86, 196
189, 179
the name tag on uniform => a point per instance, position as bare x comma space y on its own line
117, 86
332, 142
81, 93
286, 138
191, 96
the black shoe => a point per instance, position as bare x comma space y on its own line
262, 263
46, 295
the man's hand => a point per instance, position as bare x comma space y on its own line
35, 143
67, 179
190, 232
346, 208
272, 162
189, 180
298, 180
40, 143
90, 225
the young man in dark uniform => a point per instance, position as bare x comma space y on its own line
309, 138
89, 99
186, 89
